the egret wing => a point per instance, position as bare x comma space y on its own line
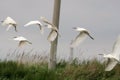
49, 23
29, 42
14, 25
78, 39
53, 27
35, 23
32, 23
116, 48
21, 43
19, 38
46, 21
52, 36
9, 26
9, 20
111, 64
90, 36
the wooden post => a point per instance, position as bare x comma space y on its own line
71, 55
53, 49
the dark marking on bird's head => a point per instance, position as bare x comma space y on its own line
74, 28
1, 21
15, 37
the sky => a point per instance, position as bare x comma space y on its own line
100, 17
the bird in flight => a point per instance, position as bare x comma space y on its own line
114, 56
54, 30
80, 37
22, 40
10, 22
36, 22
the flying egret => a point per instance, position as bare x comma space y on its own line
36, 22
22, 40
82, 35
114, 56
54, 30
10, 22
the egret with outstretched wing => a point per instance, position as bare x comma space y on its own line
10, 22
22, 40
114, 56
36, 22
82, 35
54, 30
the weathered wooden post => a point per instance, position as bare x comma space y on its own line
71, 55
53, 49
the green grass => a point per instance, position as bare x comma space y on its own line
86, 70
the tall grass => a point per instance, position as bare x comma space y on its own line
35, 67
86, 70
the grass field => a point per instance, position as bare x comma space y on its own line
86, 70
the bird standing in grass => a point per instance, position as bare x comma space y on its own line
114, 56
22, 40
10, 22
54, 30
82, 35
36, 22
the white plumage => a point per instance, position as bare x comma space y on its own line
54, 31
82, 35
19, 38
111, 64
36, 23
22, 40
114, 56
52, 36
10, 22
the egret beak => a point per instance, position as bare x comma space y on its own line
15, 37
74, 28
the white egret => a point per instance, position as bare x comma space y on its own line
22, 40
82, 35
54, 30
114, 56
36, 22
10, 22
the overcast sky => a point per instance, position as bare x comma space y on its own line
100, 17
